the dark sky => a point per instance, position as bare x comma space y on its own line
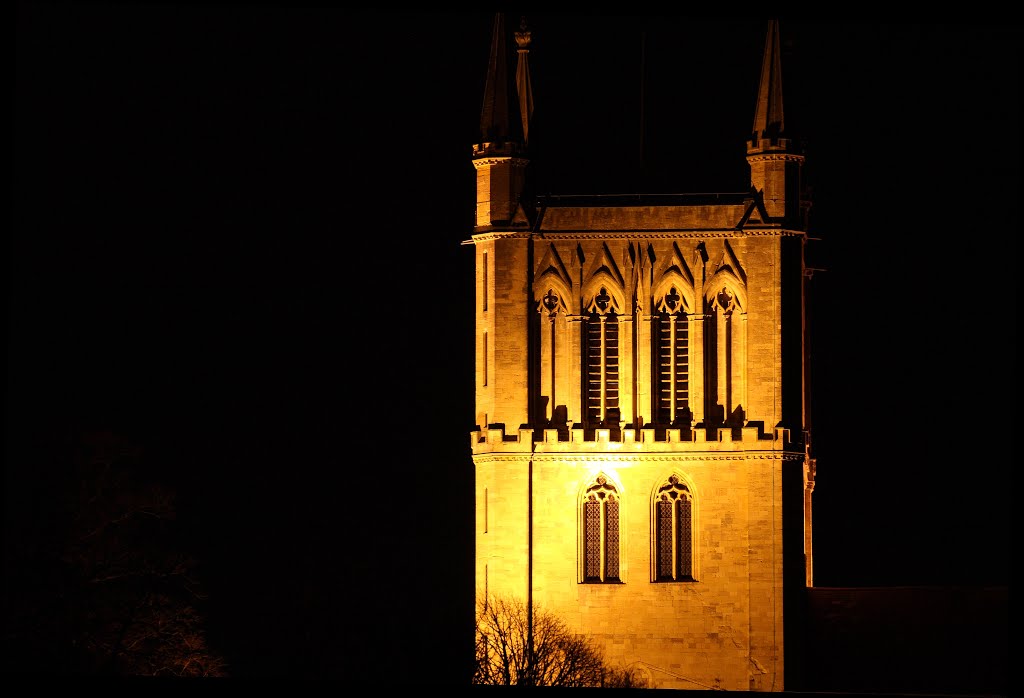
236, 237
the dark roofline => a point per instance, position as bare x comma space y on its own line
592, 200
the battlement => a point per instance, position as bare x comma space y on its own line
497, 149
628, 439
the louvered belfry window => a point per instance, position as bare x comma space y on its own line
602, 360
601, 533
672, 360
674, 532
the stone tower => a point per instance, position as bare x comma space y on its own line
642, 448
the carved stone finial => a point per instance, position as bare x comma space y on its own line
523, 36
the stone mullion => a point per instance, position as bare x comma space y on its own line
548, 363
574, 368
602, 413
697, 388
672, 368
645, 391
627, 346
722, 389
742, 369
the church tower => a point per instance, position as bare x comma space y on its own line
642, 449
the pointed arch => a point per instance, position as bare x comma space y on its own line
603, 306
725, 345
675, 271
602, 315
671, 280
552, 297
551, 275
674, 530
674, 302
735, 288
600, 524
604, 263
730, 262
605, 286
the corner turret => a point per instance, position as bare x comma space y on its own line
500, 155
775, 159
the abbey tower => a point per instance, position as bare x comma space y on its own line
642, 450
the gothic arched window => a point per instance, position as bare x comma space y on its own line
673, 532
725, 376
671, 359
601, 356
600, 517
553, 336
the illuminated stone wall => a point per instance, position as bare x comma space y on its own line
724, 630
586, 310
720, 631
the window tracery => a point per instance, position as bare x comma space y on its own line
601, 532
601, 353
671, 353
673, 532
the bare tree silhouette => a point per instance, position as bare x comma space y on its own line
559, 656
114, 591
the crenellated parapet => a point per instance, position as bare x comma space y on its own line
497, 152
647, 439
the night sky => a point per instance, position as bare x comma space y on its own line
236, 239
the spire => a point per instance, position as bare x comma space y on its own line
768, 118
496, 126
775, 159
523, 86
499, 157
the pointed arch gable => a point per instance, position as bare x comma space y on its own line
551, 264
604, 280
604, 262
755, 213
604, 273
551, 276
552, 283
724, 278
672, 279
675, 272
666, 477
729, 262
675, 262
609, 475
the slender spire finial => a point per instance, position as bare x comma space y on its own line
523, 86
493, 115
768, 116
775, 159
496, 124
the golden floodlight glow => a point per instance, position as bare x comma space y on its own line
640, 456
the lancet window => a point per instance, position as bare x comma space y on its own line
671, 359
601, 359
725, 350
600, 518
552, 309
673, 532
